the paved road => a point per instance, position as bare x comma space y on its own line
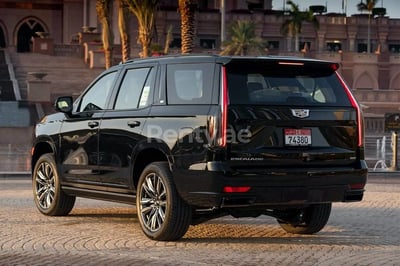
100, 233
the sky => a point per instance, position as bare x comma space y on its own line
335, 6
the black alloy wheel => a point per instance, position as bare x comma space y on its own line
48, 196
163, 215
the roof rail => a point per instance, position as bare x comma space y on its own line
167, 56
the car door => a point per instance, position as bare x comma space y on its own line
121, 127
79, 133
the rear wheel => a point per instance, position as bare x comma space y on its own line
309, 220
48, 196
163, 215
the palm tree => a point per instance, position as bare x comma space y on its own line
168, 39
103, 9
187, 8
145, 12
243, 39
368, 6
123, 29
293, 26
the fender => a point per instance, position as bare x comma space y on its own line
158, 151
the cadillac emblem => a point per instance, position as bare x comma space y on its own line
301, 113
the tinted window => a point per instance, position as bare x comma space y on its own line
273, 83
95, 98
135, 89
190, 83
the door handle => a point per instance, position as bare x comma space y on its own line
93, 124
133, 124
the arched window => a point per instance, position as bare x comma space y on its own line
25, 31
2, 37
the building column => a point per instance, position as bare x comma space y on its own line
352, 29
383, 32
92, 14
352, 42
321, 42
320, 35
72, 20
383, 42
85, 13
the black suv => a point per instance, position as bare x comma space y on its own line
191, 138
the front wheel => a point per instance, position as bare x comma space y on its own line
163, 215
48, 196
309, 220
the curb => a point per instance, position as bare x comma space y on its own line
15, 174
384, 174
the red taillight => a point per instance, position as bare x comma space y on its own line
354, 103
335, 66
236, 189
357, 186
224, 109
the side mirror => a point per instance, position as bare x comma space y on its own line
64, 104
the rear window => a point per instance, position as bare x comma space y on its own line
269, 82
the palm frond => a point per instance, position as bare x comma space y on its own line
243, 39
145, 11
369, 5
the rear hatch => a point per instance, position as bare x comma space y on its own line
285, 113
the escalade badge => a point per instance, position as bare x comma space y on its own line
301, 113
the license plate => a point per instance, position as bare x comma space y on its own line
297, 137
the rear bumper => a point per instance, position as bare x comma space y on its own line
271, 187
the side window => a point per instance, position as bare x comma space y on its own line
135, 89
145, 95
95, 98
190, 83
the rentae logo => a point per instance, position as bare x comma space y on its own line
197, 135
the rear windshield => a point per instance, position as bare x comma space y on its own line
269, 82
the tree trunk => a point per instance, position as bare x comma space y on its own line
123, 30
296, 44
107, 43
145, 11
289, 41
187, 9
168, 39
103, 12
145, 38
290, 38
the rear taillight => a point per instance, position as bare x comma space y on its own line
357, 186
335, 66
224, 110
354, 103
229, 189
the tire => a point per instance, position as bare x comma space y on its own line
310, 220
162, 214
48, 196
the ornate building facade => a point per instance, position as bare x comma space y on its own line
373, 75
